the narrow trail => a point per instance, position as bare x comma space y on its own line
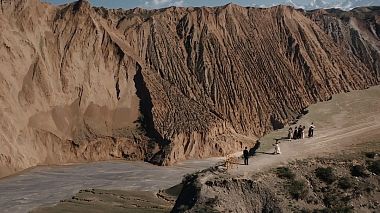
310, 147
346, 121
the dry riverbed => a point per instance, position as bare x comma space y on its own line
347, 121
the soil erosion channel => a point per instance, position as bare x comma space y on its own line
346, 120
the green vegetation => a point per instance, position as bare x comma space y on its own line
297, 189
345, 183
330, 199
374, 167
334, 210
285, 173
358, 171
371, 155
325, 174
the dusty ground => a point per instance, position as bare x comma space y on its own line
48, 185
111, 201
346, 121
344, 182
342, 190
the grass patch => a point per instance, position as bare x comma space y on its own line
325, 174
374, 167
358, 171
285, 173
345, 183
297, 189
330, 199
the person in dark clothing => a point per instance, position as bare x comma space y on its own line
245, 156
311, 130
299, 136
295, 134
253, 150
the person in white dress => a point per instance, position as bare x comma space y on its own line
277, 150
303, 132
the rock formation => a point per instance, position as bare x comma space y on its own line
347, 182
204, 192
80, 83
357, 30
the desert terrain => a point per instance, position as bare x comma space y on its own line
348, 124
82, 83
93, 100
335, 171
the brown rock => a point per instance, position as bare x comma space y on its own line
81, 83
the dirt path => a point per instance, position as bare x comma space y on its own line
349, 119
345, 121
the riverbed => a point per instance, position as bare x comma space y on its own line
47, 185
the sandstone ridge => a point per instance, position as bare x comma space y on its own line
80, 83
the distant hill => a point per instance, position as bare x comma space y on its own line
320, 4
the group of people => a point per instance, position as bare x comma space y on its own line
299, 132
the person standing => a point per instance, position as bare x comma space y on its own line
246, 155
303, 132
311, 130
295, 133
277, 150
290, 133
299, 131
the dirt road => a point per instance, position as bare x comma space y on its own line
346, 121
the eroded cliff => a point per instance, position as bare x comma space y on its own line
82, 83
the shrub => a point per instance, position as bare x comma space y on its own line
371, 155
330, 199
297, 189
358, 171
345, 183
369, 189
325, 174
374, 167
335, 210
285, 173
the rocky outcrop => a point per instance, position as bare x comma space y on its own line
68, 90
357, 30
208, 191
82, 83
340, 183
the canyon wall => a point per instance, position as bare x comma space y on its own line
79, 83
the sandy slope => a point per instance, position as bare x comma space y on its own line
84, 84
345, 121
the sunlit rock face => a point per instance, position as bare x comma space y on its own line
79, 83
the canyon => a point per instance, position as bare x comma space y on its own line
80, 83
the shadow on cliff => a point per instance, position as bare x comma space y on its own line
147, 122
